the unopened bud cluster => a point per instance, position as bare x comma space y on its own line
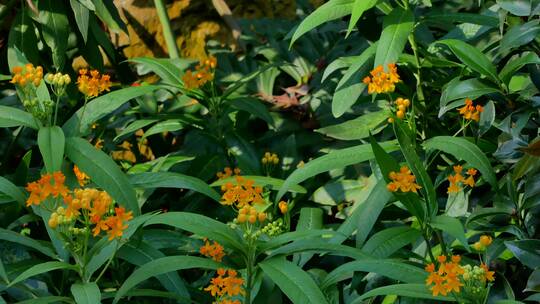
274, 228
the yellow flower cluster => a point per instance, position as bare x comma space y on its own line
213, 251
241, 193
249, 214
457, 180
451, 277
270, 158
225, 286
470, 111
26, 75
92, 84
204, 72
403, 180
381, 81
58, 79
483, 243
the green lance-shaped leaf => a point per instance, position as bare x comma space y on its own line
472, 57
331, 10
359, 7
103, 171
200, 225
42, 247
334, 160
451, 226
293, 281
394, 269
465, 150
41, 268
101, 106
162, 266
416, 291
149, 180
9, 189
86, 293
51, 142
396, 29
13, 117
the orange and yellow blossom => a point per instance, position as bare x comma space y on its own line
27, 74
451, 277
213, 251
380, 81
403, 180
470, 111
225, 285
92, 84
457, 180
204, 72
94, 205
82, 178
242, 193
43, 188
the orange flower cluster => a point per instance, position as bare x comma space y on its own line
213, 251
82, 178
452, 277
93, 205
228, 172
225, 286
92, 84
381, 81
483, 243
242, 193
249, 214
445, 279
283, 207
27, 75
470, 111
48, 185
204, 72
403, 180
457, 179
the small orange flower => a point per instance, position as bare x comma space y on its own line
93, 84
488, 275
242, 193
403, 180
26, 75
471, 112
381, 81
225, 285
204, 72
283, 207
457, 180
213, 251
486, 240
43, 188
82, 178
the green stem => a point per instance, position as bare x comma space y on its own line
167, 32
418, 74
430, 251
108, 263
249, 270
56, 109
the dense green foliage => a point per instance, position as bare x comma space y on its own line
386, 152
